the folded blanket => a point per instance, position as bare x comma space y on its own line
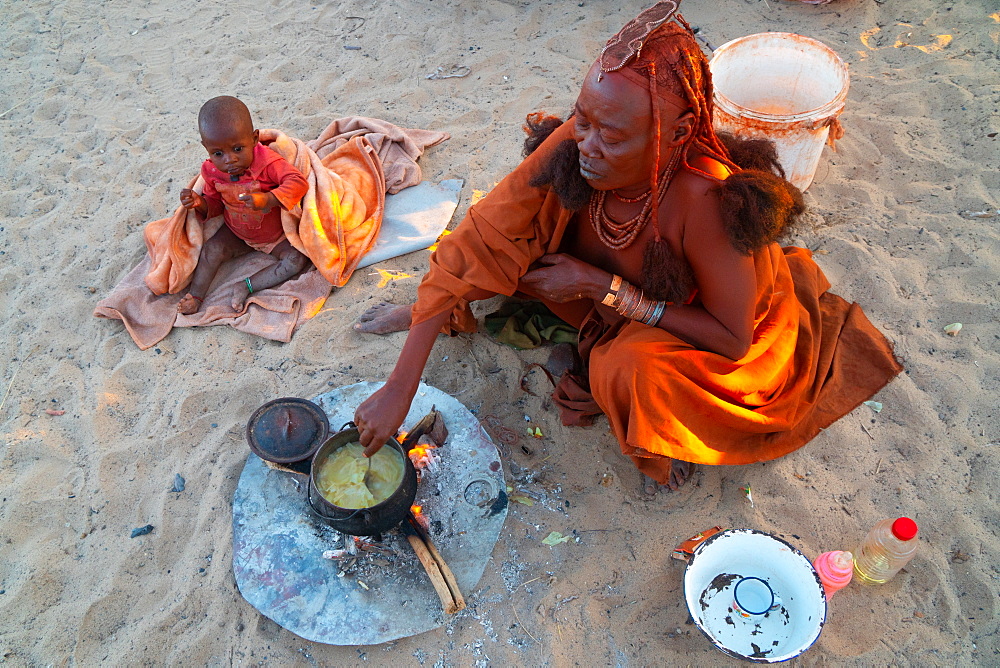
397, 148
336, 223
273, 314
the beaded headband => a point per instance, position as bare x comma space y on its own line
626, 46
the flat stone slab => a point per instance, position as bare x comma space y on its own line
278, 542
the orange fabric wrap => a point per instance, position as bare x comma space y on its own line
495, 243
814, 356
174, 245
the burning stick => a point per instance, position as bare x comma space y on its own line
444, 581
431, 424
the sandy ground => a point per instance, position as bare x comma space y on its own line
98, 103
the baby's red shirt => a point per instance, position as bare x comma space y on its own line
268, 172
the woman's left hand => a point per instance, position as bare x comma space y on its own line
563, 278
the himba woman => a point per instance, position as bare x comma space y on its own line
702, 340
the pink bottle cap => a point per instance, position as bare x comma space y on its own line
904, 528
841, 563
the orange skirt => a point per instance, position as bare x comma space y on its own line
814, 358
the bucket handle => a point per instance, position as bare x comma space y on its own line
836, 129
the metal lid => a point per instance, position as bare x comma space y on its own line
287, 430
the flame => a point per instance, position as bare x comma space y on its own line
423, 458
420, 518
420, 450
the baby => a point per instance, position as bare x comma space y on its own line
246, 182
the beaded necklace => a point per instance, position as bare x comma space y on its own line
619, 236
630, 200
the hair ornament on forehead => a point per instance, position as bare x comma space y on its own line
658, 51
627, 44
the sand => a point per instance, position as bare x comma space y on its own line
98, 103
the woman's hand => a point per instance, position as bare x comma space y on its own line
379, 417
563, 278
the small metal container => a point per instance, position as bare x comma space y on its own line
287, 430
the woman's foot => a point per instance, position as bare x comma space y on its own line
680, 473
384, 318
188, 305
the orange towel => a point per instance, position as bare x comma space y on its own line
272, 314
397, 148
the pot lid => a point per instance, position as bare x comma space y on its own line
287, 430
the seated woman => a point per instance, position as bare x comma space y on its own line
704, 342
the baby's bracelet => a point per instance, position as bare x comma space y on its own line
249, 285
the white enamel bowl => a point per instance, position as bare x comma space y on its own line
784, 632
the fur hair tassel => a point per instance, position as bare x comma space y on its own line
758, 208
665, 278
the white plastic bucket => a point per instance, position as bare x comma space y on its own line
785, 87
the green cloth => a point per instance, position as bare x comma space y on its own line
524, 325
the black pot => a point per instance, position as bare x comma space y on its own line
362, 521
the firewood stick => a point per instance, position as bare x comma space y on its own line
449, 577
434, 573
423, 426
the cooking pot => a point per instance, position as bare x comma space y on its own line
362, 521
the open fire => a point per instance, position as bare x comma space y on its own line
424, 455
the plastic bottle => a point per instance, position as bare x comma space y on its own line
835, 570
887, 548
